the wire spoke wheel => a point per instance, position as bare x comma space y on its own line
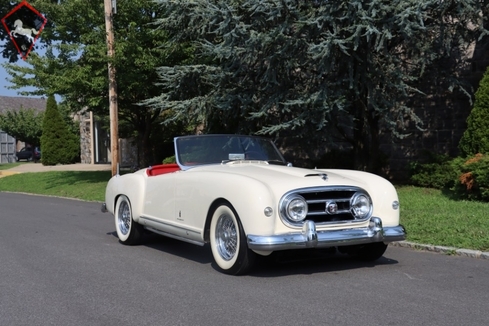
128, 231
226, 237
228, 241
124, 218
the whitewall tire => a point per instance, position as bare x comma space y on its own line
228, 242
128, 231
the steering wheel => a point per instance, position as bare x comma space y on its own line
254, 155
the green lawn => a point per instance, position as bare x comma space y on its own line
85, 185
432, 218
428, 215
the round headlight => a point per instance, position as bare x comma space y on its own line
360, 206
296, 208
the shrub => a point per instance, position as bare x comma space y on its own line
473, 178
464, 178
437, 171
170, 159
58, 144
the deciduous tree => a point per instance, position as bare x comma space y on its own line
74, 66
23, 124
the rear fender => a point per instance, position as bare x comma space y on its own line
130, 185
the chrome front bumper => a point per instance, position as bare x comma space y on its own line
310, 238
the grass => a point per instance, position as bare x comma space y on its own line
85, 185
429, 216
432, 218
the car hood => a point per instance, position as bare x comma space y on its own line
284, 178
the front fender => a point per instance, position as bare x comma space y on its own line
381, 191
248, 196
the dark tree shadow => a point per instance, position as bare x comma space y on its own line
281, 263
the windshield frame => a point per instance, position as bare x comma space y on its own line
211, 149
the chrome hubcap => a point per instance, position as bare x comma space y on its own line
226, 237
124, 218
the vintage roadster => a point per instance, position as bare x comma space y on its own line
238, 194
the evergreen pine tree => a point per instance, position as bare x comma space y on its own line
321, 70
58, 144
476, 138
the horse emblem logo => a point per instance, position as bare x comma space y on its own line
20, 31
24, 25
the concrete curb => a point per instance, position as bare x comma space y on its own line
443, 250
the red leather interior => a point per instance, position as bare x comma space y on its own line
162, 169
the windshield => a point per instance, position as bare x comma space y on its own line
216, 149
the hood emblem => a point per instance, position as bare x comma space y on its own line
323, 176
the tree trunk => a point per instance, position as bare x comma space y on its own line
366, 142
145, 145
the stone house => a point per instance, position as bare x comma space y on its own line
95, 142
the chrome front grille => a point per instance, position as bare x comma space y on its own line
317, 203
327, 204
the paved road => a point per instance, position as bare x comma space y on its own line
61, 264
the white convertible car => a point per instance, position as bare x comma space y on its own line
240, 195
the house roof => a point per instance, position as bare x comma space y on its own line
16, 102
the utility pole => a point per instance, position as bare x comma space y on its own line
114, 119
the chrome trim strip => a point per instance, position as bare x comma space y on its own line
342, 211
158, 222
169, 235
329, 188
308, 237
319, 201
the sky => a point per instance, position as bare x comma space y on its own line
4, 83
4, 91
